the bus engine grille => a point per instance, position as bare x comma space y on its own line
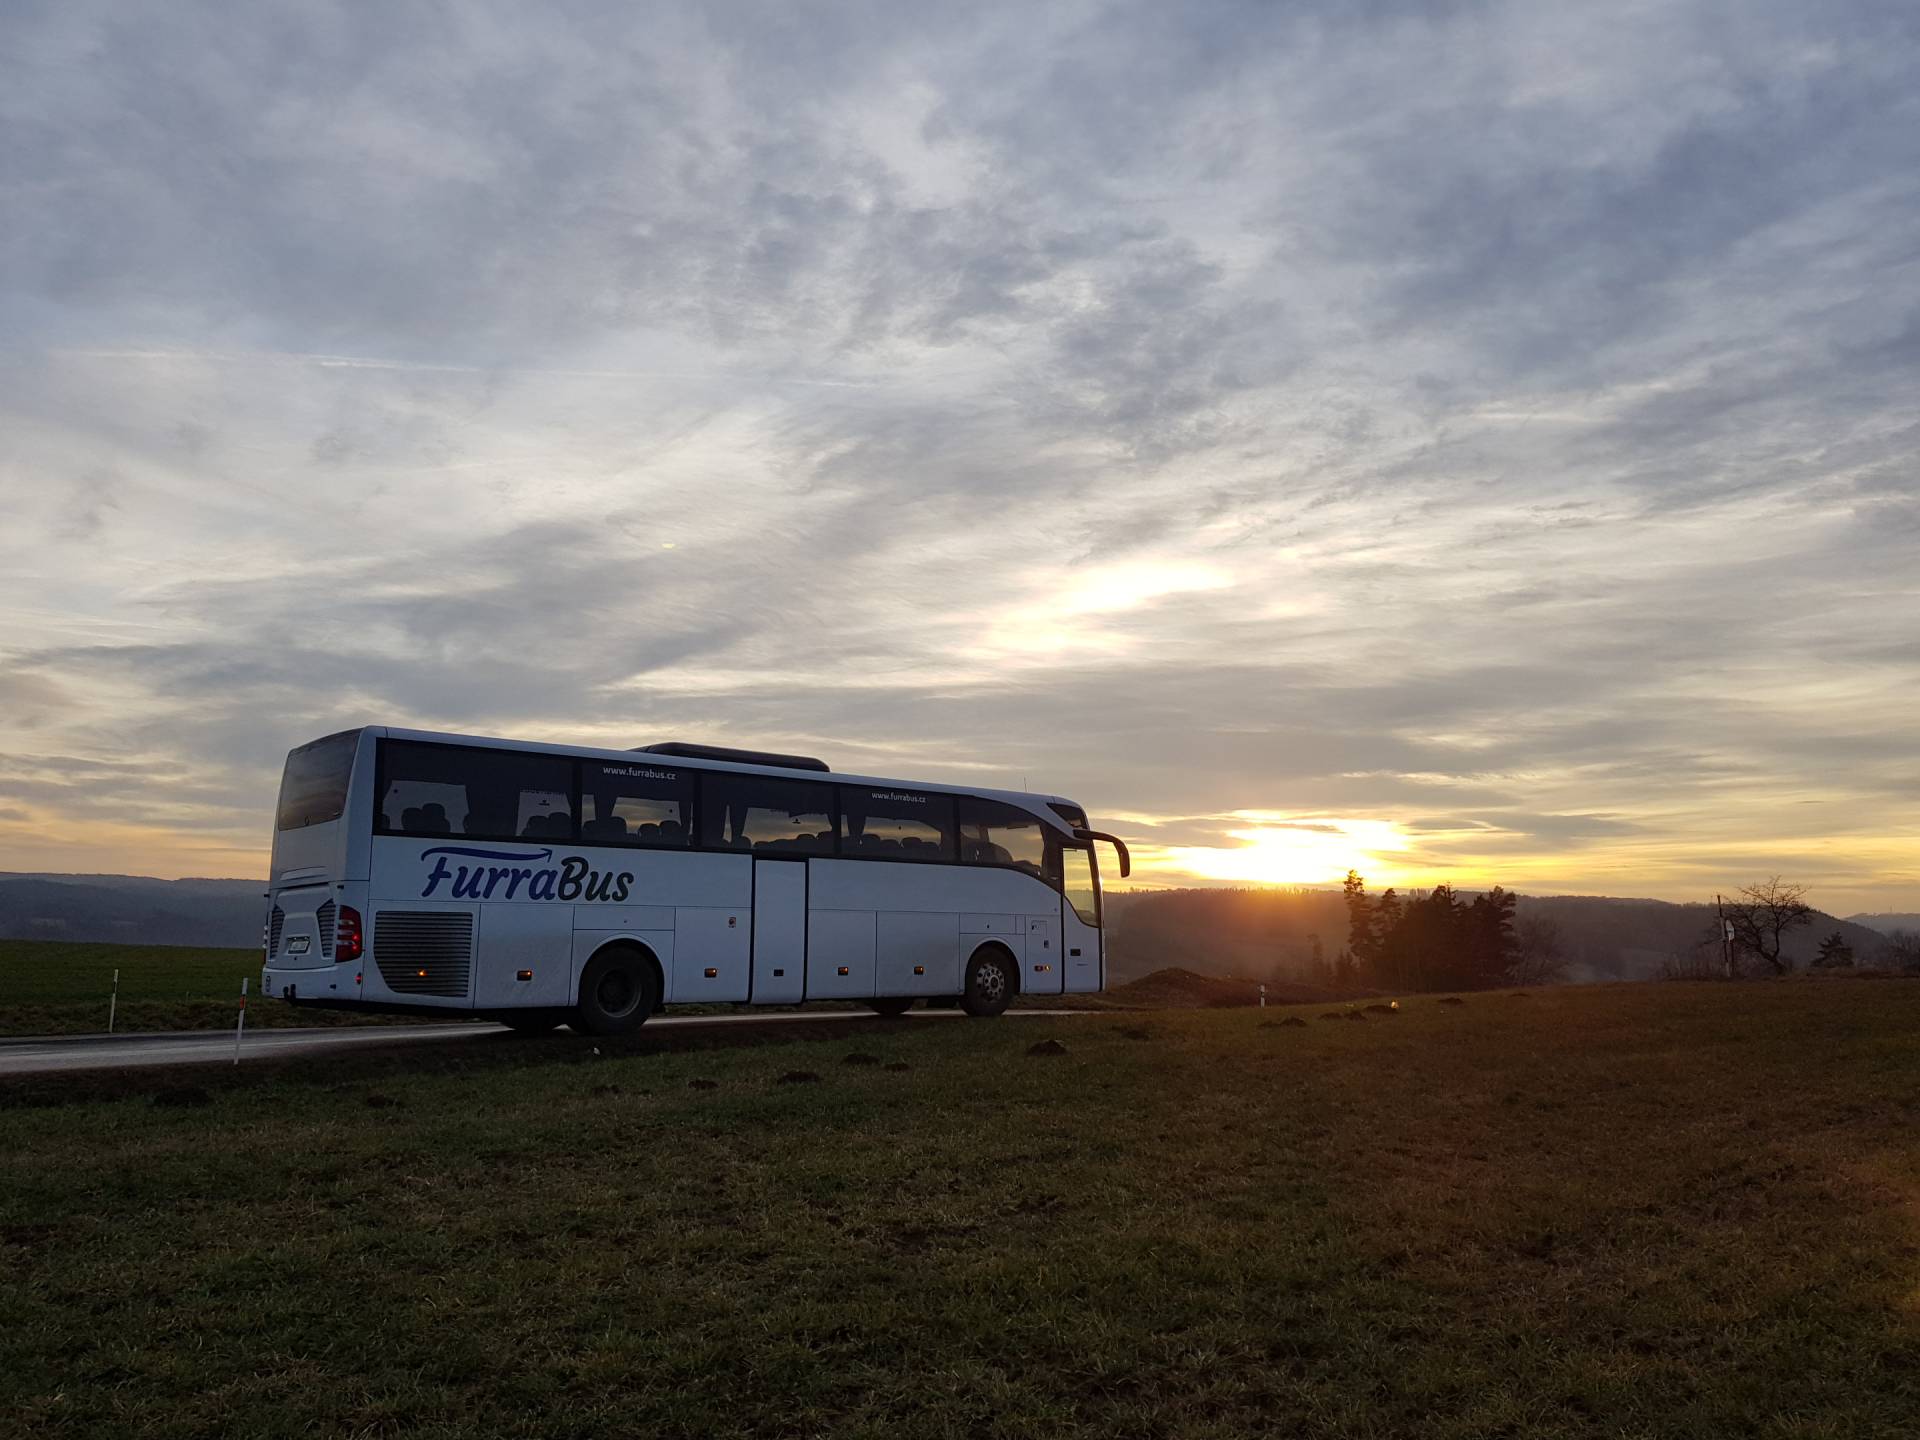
422, 952
323, 920
275, 924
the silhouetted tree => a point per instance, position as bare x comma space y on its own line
1490, 948
1360, 925
1434, 941
1761, 916
1539, 952
1835, 953
1903, 951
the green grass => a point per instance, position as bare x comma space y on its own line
56, 972
1631, 1211
54, 987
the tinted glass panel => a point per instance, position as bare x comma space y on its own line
895, 824
498, 794
634, 804
313, 787
1077, 873
996, 834
751, 812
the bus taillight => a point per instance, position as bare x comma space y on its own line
349, 943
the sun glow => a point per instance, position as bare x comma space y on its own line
1299, 850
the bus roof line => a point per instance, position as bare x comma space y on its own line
1034, 803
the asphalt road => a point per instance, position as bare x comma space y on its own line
200, 1047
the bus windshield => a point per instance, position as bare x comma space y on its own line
313, 790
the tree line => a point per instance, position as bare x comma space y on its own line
1436, 941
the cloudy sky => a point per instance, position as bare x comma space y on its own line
1473, 442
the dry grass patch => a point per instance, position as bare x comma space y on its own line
1659, 1211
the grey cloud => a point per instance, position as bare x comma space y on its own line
93, 498
1538, 383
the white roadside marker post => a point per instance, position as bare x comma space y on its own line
240, 1025
113, 1001
1263, 997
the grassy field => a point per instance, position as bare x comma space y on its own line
50, 987
1630, 1211
53, 987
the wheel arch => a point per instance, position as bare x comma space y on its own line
628, 945
994, 947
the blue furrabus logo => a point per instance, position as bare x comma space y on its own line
571, 879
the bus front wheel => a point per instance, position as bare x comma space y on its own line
618, 990
989, 984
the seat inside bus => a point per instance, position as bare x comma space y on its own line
428, 819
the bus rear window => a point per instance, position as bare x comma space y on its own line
313, 788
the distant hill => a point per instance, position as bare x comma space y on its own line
1887, 924
133, 909
1274, 933
1268, 934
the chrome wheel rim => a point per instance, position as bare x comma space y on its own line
617, 993
990, 982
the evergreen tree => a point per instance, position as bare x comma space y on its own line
1492, 947
1835, 953
1361, 934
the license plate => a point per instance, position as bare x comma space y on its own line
299, 945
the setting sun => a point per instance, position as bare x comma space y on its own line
1295, 850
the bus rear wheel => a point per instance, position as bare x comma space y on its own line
891, 1004
990, 982
618, 990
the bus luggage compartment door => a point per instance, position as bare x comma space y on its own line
531, 940
779, 931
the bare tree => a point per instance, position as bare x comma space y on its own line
1761, 915
1902, 951
1539, 950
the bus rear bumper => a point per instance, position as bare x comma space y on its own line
320, 982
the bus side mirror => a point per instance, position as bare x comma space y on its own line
1119, 845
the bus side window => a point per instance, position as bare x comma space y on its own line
896, 824
481, 793
760, 813
634, 804
996, 834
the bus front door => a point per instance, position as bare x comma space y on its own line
1080, 922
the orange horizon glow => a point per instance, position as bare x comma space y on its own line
1258, 848
1296, 851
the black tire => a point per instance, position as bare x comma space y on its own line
618, 990
533, 1022
990, 982
891, 1004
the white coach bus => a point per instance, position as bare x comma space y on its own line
541, 885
